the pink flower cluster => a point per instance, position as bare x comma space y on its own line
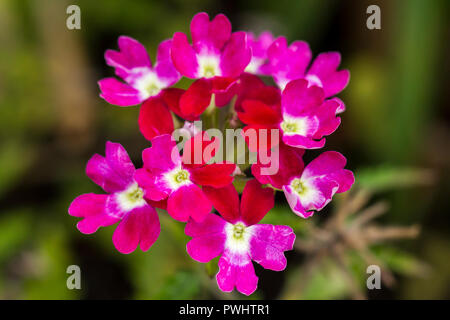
226, 67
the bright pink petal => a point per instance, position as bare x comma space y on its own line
208, 238
118, 93
113, 173
162, 156
297, 98
215, 175
236, 55
91, 207
155, 118
212, 224
132, 55
299, 141
268, 243
119, 160
288, 63
164, 67
330, 165
328, 121
225, 200
188, 202
139, 227
325, 67
336, 82
236, 270
183, 56
210, 36
256, 202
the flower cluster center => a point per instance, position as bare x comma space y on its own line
298, 186
182, 176
238, 231
293, 125
177, 178
131, 198
208, 66
289, 127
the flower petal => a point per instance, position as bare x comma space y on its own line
91, 207
210, 36
215, 175
225, 200
324, 67
155, 118
258, 113
236, 270
235, 56
188, 202
268, 243
331, 165
297, 98
290, 164
208, 238
139, 226
118, 93
132, 55
183, 56
256, 202
196, 98
114, 173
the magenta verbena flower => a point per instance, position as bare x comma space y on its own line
139, 222
133, 65
288, 63
167, 175
215, 51
237, 238
311, 188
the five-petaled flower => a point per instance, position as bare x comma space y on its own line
133, 65
167, 175
139, 222
288, 63
311, 188
237, 238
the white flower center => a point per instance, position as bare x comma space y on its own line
131, 198
149, 84
238, 237
292, 126
177, 178
208, 66
298, 186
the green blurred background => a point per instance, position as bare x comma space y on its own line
395, 132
